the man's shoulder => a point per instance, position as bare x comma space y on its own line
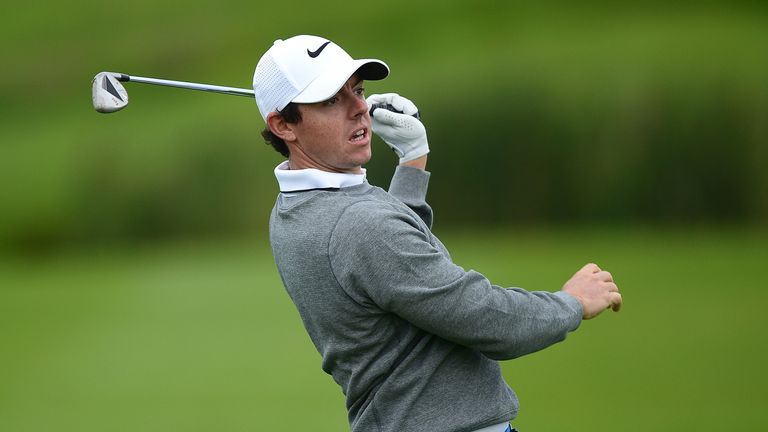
320, 207
323, 216
385, 216
328, 201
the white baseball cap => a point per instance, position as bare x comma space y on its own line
307, 69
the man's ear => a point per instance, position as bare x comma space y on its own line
280, 127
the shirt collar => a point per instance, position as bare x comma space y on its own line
311, 178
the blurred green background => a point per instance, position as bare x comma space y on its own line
137, 289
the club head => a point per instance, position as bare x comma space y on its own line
108, 93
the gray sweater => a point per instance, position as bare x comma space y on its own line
412, 338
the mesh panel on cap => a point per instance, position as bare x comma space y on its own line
273, 90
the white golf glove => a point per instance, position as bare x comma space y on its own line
404, 133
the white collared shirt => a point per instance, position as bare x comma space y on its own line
311, 178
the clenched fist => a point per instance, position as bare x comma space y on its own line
595, 290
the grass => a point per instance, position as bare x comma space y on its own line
201, 336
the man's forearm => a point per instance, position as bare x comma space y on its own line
409, 185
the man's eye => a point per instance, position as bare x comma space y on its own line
360, 91
331, 101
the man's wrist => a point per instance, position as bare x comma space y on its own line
419, 162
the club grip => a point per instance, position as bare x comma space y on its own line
389, 107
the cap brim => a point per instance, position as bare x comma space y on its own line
329, 83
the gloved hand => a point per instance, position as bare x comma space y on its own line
405, 134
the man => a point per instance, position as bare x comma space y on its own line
412, 339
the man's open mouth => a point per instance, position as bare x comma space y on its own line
359, 135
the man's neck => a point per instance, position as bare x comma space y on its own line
299, 163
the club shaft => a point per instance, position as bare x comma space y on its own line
187, 85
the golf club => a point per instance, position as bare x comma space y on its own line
109, 95
389, 107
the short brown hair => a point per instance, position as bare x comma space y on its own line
290, 114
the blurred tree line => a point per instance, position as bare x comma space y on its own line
535, 115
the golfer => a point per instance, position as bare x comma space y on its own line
413, 339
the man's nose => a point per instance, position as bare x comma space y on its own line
359, 106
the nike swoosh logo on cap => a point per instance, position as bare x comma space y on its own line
317, 52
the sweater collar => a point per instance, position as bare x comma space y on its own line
311, 178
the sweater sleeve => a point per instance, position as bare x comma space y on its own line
409, 185
386, 263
